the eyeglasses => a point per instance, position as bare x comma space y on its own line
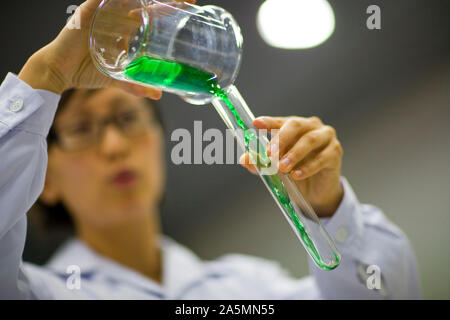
87, 132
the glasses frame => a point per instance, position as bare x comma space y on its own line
55, 134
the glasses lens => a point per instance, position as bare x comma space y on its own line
79, 134
133, 121
84, 133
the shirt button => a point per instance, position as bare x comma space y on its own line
341, 234
16, 105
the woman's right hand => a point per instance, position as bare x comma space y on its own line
66, 62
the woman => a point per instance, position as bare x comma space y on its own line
105, 166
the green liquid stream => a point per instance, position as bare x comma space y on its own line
174, 75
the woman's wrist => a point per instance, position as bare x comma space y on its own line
328, 208
38, 73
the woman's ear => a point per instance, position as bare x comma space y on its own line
50, 195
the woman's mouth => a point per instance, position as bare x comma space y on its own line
124, 178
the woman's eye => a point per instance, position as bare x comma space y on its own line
128, 117
81, 129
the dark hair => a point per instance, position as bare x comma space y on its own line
49, 218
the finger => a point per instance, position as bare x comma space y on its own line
91, 5
330, 157
309, 142
265, 122
246, 162
292, 129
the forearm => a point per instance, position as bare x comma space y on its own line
329, 204
25, 118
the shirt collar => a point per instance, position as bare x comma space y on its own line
181, 266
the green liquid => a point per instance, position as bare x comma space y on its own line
173, 75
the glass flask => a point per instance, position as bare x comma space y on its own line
195, 52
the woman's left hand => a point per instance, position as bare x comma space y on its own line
311, 153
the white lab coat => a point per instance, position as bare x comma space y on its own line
362, 233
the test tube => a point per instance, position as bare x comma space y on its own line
238, 117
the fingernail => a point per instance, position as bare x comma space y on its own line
156, 95
298, 172
285, 162
260, 122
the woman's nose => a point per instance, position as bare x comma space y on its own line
113, 144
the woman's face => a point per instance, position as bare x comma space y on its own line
115, 178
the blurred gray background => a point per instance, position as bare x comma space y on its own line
387, 93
